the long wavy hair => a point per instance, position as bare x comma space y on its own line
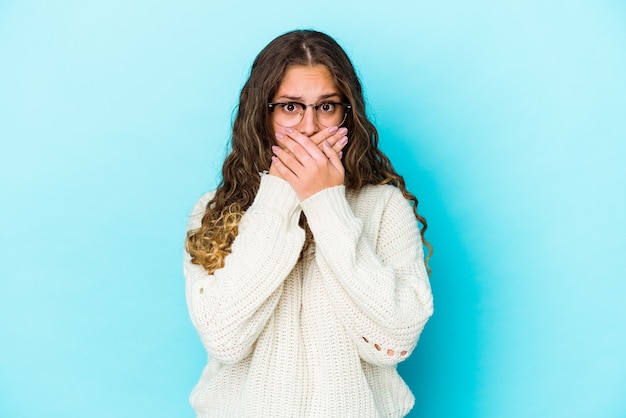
253, 137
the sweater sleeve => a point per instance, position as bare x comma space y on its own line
378, 288
230, 307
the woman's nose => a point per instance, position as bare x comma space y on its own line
309, 124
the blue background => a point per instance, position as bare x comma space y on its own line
507, 119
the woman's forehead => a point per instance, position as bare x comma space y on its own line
301, 81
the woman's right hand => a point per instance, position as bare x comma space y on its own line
301, 162
335, 136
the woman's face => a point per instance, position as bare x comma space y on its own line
310, 85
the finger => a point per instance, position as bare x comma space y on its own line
291, 147
332, 135
274, 171
333, 157
325, 134
284, 172
281, 143
340, 144
339, 139
287, 159
301, 146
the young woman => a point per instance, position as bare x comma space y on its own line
305, 269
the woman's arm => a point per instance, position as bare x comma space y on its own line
230, 307
378, 286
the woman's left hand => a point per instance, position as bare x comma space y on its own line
307, 167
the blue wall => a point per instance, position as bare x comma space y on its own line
507, 119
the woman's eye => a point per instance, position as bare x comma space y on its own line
327, 107
290, 107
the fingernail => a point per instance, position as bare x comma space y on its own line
279, 135
332, 129
343, 141
340, 154
275, 148
343, 131
288, 130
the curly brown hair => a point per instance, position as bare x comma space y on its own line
253, 137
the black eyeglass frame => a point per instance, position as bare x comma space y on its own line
348, 107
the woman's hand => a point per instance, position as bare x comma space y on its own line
309, 164
335, 136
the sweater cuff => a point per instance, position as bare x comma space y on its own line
329, 210
276, 193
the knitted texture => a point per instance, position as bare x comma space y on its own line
320, 335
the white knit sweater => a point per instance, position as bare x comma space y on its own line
315, 338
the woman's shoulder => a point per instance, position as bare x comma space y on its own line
376, 192
376, 198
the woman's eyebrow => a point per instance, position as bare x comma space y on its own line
289, 97
322, 97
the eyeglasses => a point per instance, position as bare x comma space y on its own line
290, 114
